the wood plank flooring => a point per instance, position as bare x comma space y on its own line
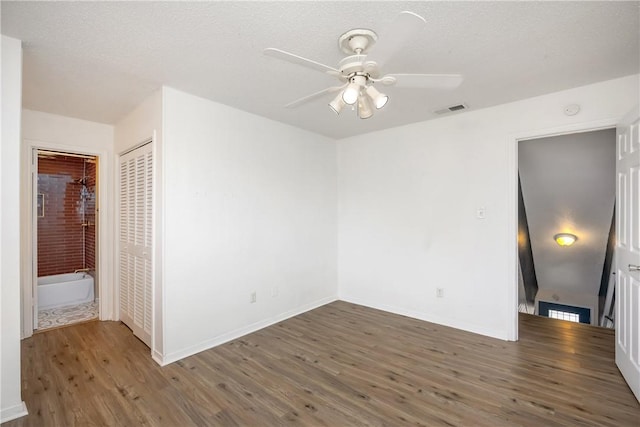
338, 365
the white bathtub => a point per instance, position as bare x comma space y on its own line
64, 289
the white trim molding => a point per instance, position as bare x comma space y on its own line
104, 249
224, 338
13, 412
514, 138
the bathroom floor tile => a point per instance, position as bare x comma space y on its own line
62, 316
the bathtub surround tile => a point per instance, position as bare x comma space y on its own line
62, 316
60, 231
90, 216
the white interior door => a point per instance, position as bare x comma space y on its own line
628, 250
135, 248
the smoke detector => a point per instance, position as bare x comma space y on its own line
571, 110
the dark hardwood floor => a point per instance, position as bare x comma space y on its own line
338, 365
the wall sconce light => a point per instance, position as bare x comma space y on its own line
565, 239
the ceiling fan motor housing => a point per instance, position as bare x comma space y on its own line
357, 41
350, 65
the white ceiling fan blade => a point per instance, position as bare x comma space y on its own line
313, 96
299, 60
424, 81
402, 30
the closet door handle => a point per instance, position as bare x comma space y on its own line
634, 267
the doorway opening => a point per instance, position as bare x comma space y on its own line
66, 285
567, 188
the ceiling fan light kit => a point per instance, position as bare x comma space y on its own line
365, 109
361, 90
379, 99
358, 73
337, 104
351, 94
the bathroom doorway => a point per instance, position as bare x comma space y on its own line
65, 223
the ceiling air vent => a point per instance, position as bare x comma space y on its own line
452, 108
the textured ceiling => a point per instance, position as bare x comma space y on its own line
97, 61
568, 186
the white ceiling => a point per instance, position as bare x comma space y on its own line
568, 186
97, 61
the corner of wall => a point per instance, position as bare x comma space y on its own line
237, 333
11, 405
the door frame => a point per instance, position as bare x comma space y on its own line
29, 230
512, 223
117, 247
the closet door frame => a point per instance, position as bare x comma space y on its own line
146, 335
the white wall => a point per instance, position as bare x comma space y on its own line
408, 199
67, 132
142, 124
11, 404
250, 206
51, 131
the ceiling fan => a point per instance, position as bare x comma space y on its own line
360, 72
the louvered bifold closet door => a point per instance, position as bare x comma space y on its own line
136, 238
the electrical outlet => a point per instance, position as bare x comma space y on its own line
481, 213
253, 297
274, 291
440, 292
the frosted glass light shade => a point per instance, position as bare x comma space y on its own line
379, 99
364, 107
565, 239
350, 94
337, 104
